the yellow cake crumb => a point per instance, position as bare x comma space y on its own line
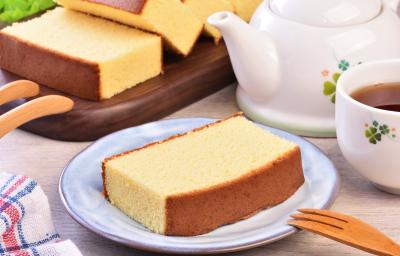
245, 8
170, 19
205, 8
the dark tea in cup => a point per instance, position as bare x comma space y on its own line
383, 96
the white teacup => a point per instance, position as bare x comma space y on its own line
376, 157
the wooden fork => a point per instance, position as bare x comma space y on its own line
345, 229
39, 107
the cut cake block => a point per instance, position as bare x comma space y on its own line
245, 8
82, 55
193, 183
170, 19
205, 8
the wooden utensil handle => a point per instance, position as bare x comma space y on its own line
44, 106
18, 89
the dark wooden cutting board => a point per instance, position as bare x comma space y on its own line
184, 81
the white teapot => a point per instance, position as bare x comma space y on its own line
287, 61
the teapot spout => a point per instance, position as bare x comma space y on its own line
253, 55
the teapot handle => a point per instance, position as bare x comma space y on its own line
392, 4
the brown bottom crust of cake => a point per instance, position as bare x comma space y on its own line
200, 212
61, 72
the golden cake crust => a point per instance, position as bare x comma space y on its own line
68, 74
133, 6
202, 211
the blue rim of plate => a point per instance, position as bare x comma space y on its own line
210, 250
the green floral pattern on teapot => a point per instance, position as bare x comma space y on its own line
329, 86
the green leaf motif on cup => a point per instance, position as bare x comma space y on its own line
375, 131
384, 129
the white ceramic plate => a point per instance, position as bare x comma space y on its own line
81, 187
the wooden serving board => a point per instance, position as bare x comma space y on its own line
205, 71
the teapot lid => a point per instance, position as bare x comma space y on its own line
327, 13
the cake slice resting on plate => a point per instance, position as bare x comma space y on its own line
193, 183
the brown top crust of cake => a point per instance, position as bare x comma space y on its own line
156, 143
57, 70
132, 6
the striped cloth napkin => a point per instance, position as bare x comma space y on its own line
26, 227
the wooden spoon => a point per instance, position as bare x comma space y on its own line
43, 106
18, 89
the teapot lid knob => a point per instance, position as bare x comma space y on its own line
327, 13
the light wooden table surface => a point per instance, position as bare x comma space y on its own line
44, 159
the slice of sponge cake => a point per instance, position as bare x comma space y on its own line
168, 18
79, 54
205, 8
245, 8
193, 183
